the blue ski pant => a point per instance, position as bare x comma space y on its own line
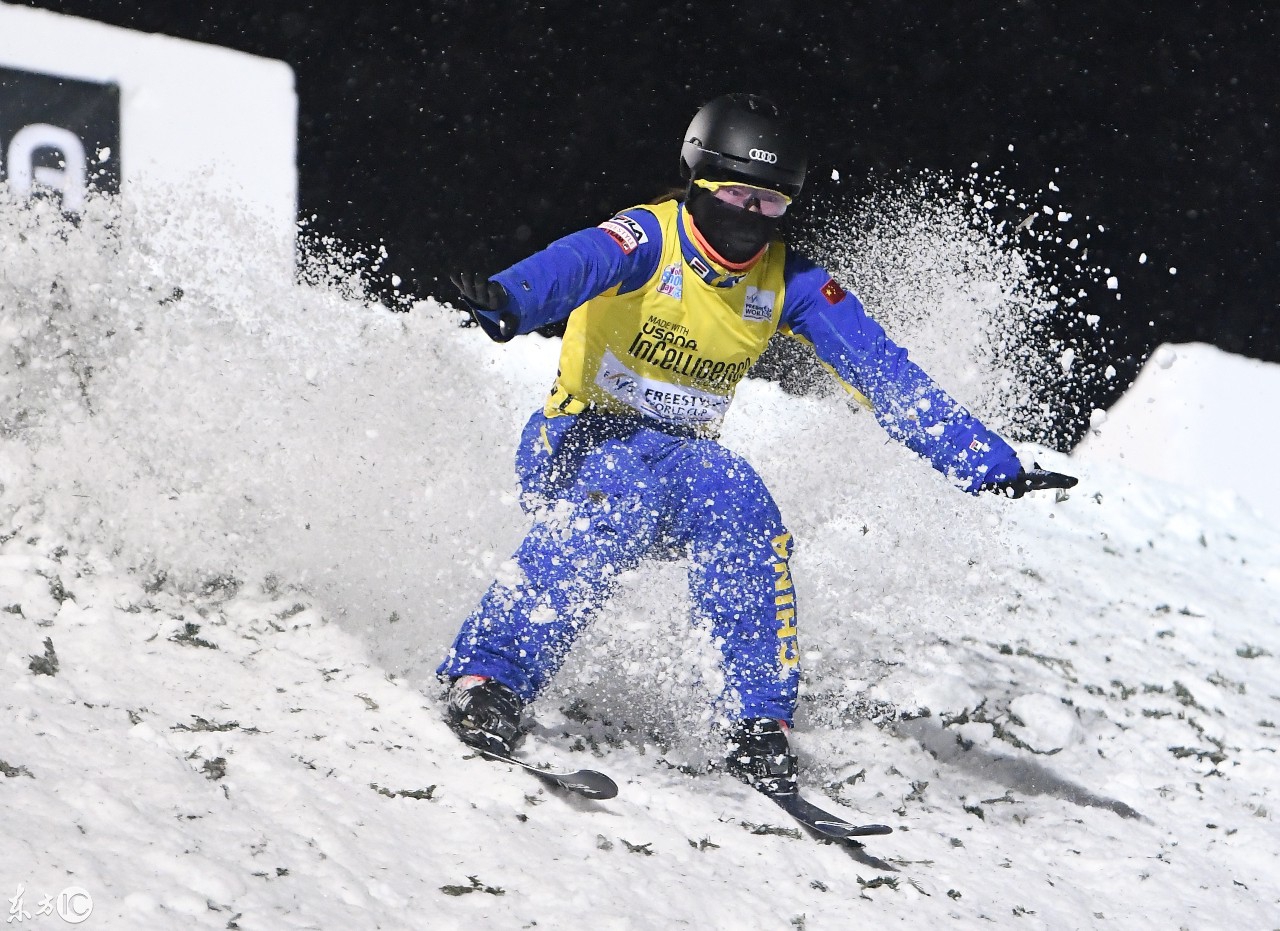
606, 491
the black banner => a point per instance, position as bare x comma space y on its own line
59, 135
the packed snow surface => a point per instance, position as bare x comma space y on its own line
241, 518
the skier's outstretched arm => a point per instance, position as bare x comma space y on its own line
907, 403
621, 252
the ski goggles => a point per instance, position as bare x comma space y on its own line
746, 196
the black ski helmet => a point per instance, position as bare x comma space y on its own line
742, 137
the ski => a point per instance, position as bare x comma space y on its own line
823, 822
585, 782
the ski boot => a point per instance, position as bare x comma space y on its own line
484, 713
760, 756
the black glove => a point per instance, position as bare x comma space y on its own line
1035, 480
479, 290
485, 299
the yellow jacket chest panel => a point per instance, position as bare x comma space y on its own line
675, 348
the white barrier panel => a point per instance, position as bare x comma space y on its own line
189, 116
1199, 417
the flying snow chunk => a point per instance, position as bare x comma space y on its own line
835, 175
1165, 357
1063, 216
1112, 283
1067, 360
1142, 259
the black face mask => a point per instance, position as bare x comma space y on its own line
736, 234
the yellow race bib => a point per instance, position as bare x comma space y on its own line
675, 348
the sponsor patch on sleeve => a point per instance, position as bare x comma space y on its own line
626, 232
832, 291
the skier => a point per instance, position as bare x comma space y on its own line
668, 305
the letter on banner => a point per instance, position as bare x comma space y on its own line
69, 179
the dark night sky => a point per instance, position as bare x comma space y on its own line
469, 134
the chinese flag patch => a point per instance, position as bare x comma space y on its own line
832, 291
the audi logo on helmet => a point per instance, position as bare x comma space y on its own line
763, 155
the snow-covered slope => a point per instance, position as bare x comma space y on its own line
242, 518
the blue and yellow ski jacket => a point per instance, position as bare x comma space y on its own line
656, 327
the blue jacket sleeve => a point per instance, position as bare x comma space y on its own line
621, 252
906, 402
